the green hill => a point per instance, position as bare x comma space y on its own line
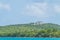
37, 29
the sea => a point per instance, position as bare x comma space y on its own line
18, 38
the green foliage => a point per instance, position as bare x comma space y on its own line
30, 30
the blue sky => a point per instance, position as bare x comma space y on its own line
26, 11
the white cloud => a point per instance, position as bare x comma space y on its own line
5, 6
37, 9
57, 8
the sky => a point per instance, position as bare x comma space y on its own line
26, 11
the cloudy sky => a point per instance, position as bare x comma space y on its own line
25, 11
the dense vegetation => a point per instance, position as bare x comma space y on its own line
30, 30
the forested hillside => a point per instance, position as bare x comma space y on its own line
30, 30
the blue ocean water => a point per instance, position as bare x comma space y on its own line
15, 38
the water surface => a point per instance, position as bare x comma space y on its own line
15, 38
